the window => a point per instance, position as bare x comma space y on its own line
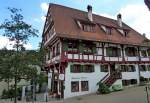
123, 32
131, 68
88, 68
58, 49
53, 50
49, 54
143, 68
148, 51
84, 86
108, 30
113, 51
126, 82
72, 45
75, 86
104, 68
143, 53
88, 27
148, 67
131, 51
128, 68
76, 68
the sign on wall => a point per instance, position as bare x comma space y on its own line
61, 76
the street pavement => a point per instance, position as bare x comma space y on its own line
128, 95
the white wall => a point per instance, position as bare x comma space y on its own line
131, 75
92, 78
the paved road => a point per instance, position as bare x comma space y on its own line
130, 95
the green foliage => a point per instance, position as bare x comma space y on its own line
10, 93
116, 87
17, 30
103, 89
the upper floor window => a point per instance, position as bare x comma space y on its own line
143, 53
53, 51
113, 52
123, 32
72, 45
148, 51
58, 49
106, 29
88, 28
131, 51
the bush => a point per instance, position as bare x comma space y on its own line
103, 88
4, 94
10, 93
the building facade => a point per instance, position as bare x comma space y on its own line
84, 49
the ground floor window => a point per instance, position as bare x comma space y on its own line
129, 82
128, 68
75, 86
143, 68
148, 67
77, 68
88, 68
84, 86
104, 68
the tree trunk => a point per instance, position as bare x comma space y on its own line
15, 90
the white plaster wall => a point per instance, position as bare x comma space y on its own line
92, 78
131, 75
145, 74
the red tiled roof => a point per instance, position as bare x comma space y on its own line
65, 26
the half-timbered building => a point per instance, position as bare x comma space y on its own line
84, 48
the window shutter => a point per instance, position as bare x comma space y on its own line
82, 68
94, 49
71, 68
81, 48
65, 46
109, 51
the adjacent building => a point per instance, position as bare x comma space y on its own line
84, 48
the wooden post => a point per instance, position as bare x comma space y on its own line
103, 58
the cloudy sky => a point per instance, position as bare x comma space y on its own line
134, 13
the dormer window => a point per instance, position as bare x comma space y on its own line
123, 32
106, 29
86, 26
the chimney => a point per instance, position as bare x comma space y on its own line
119, 20
89, 8
144, 35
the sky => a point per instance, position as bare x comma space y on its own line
134, 13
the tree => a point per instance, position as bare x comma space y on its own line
18, 31
5, 66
